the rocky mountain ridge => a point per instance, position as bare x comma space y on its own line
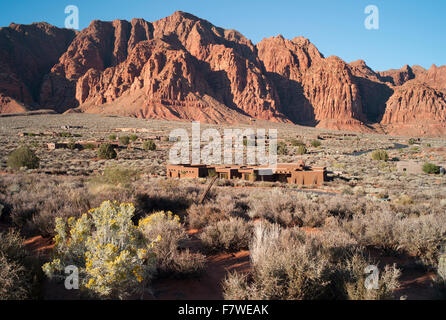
184, 68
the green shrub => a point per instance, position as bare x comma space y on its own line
65, 134
282, 148
431, 168
133, 137
301, 150
316, 143
149, 145
125, 140
227, 235
89, 146
411, 141
116, 175
112, 137
380, 155
113, 257
106, 151
23, 157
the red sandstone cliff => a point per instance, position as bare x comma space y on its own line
416, 108
184, 68
27, 53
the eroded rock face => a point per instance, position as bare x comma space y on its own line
416, 109
435, 77
415, 102
27, 53
313, 89
184, 68
397, 77
104, 62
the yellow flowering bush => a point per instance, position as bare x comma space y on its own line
113, 257
169, 257
171, 231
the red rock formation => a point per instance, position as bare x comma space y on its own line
157, 80
323, 90
435, 77
184, 68
27, 53
415, 102
229, 61
361, 70
101, 45
397, 77
224, 60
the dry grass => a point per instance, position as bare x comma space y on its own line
381, 208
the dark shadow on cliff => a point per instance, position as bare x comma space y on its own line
58, 93
293, 102
219, 85
374, 96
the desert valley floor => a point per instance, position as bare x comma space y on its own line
394, 216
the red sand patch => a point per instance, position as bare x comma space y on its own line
208, 286
39, 245
309, 230
192, 231
415, 283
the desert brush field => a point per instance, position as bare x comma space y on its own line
134, 233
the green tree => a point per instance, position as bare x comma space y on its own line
316, 143
380, 155
23, 157
431, 168
282, 148
106, 151
149, 145
125, 140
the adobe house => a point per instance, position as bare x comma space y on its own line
296, 173
229, 172
187, 171
53, 146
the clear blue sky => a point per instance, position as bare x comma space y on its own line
410, 31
